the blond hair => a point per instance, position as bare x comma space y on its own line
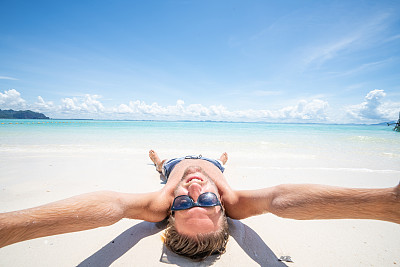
200, 246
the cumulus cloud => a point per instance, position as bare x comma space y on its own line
43, 105
374, 108
141, 108
11, 99
315, 110
89, 104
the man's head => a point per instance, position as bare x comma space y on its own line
199, 231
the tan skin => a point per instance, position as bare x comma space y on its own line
303, 202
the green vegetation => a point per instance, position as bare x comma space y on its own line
21, 114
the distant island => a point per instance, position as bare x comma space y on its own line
22, 114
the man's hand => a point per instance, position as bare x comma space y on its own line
246, 203
151, 207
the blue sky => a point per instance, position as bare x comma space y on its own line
292, 61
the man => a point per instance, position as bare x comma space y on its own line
197, 198
195, 232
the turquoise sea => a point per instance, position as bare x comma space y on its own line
373, 145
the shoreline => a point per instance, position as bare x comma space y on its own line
212, 121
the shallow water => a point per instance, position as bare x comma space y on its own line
294, 145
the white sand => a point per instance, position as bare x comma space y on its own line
30, 178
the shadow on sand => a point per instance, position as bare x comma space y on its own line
122, 243
253, 245
247, 238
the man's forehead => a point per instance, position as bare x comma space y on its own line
195, 221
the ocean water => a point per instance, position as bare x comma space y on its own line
343, 146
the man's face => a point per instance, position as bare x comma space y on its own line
197, 220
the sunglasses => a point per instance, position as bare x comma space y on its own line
184, 202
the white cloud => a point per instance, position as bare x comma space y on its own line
8, 78
141, 108
123, 109
68, 104
89, 104
11, 99
42, 105
374, 109
315, 110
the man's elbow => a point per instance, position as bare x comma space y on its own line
282, 204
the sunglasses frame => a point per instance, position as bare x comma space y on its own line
196, 204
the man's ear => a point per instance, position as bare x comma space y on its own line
222, 201
221, 193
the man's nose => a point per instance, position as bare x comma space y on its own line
194, 191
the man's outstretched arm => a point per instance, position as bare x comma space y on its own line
309, 202
79, 213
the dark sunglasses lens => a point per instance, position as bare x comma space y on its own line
182, 203
208, 199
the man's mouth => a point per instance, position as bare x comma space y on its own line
194, 174
195, 179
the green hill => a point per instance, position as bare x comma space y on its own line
21, 114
